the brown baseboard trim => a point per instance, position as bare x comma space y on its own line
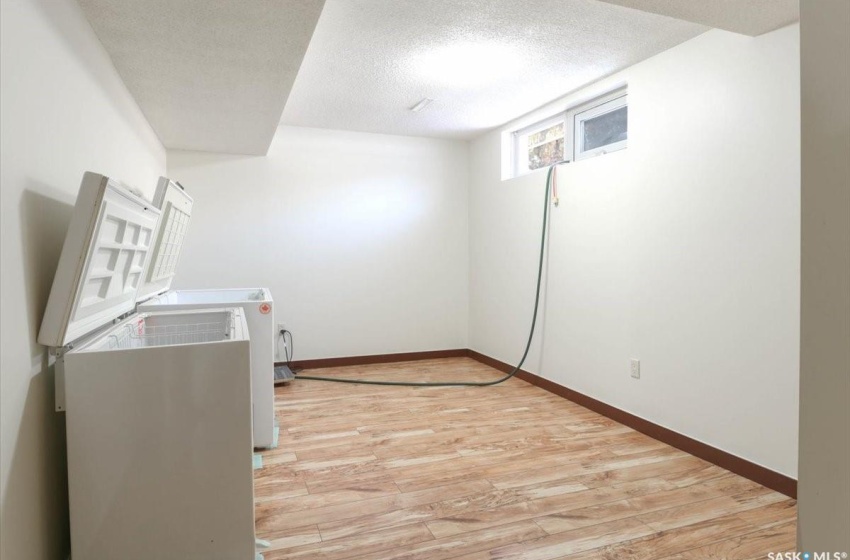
762, 475
377, 359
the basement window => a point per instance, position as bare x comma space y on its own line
602, 128
597, 127
539, 145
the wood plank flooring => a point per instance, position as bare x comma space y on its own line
507, 472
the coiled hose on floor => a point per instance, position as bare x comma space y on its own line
549, 182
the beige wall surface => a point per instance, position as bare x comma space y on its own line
361, 238
64, 111
824, 485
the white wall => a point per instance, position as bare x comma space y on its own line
682, 250
360, 237
63, 110
824, 504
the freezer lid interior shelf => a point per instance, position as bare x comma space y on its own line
104, 258
176, 208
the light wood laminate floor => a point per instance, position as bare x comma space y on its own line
509, 472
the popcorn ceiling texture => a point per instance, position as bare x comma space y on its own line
215, 75
360, 71
209, 76
750, 17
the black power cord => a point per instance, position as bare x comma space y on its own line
288, 349
515, 370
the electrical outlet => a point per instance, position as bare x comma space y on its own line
635, 368
280, 328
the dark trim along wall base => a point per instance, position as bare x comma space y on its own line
377, 359
762, 475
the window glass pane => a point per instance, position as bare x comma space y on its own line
605, 129
546, 147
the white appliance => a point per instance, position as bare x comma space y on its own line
258, 309
257, 303
158, 404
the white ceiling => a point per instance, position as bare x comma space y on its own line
750, 17
483, 62
215, 75
211, 75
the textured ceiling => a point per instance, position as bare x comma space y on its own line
483, 62
751, 17
211, 75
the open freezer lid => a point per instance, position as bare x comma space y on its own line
104, 257
176, 212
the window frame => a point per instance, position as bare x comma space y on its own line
520, 156
573, 118
600, 106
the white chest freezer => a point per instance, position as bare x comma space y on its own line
158, 404
258, 309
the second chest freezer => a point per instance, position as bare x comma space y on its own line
155, 294
158, 405
258, 309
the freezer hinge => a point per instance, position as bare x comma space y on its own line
59, 375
